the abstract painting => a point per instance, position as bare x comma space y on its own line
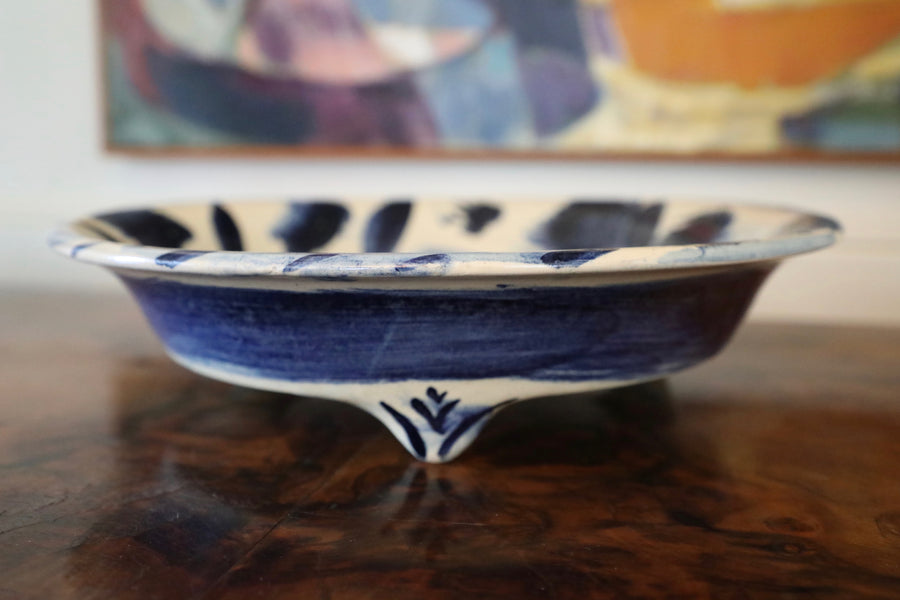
743, 78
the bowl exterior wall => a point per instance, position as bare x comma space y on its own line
615, 332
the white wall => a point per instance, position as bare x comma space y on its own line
52, 169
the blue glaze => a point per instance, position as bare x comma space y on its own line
469, 420
702, 229
451, 417
416, 264
148, 227
558, 334
297, 264
588, 224
436, 420
173, 259
226, 229
77, 249
386, 226
479, 216
308, 226
415, 439
571, 258
478, 99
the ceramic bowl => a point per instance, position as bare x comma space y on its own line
433, 315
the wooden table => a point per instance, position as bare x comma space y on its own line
771, 472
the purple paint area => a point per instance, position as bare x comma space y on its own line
560, 89
273, 37
600, 32
548, 24
281, 28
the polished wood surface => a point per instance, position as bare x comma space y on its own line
771, 472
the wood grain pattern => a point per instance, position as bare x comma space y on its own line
770, 472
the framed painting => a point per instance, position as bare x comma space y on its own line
586, 78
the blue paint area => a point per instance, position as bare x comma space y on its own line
148, 227
309, 259
558, 334
415, 440
468, 420
171, 260
226, 229
229, 100
479, 216
386, 226
77, 249
438, 14
419, 263
560, 89
702, 229
308, 226
436, 420
589, 224
552, 61
571, 258
545, 24
450, 417
478, 99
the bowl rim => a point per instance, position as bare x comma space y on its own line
816, 232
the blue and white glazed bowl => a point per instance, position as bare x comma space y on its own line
433, 315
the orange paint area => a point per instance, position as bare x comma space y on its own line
697, 41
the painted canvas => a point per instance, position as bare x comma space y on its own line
568, 77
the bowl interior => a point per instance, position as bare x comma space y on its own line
440, 226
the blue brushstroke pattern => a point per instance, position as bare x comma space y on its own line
76, 250
571, 258
226, 229
588, 224
309, 259
466, 423
171, 260
557, 334
148, 227
308, 226
415, 440
702, 229
386, 226
437, 421
421, 263
479, 216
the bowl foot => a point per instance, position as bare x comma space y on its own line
435, 426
